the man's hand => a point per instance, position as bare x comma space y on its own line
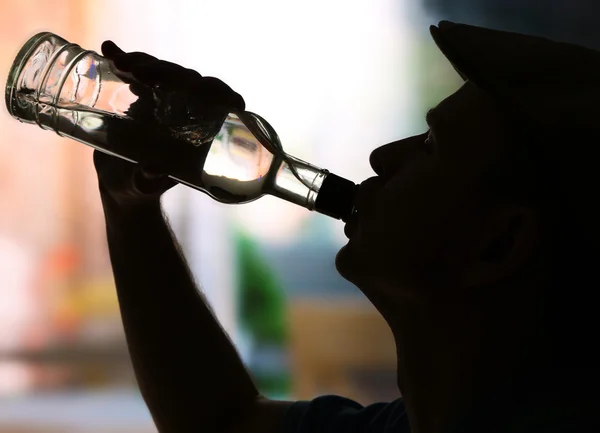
185, 91
125, 184
212, 93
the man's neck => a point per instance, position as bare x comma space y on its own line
453, 356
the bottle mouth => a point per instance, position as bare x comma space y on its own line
336, 197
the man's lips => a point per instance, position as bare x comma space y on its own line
366, 191
362, 201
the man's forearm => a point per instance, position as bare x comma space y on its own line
188, 371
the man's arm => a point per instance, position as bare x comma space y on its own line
188, 371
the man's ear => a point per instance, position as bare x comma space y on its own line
508, 243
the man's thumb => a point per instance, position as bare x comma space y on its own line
147, 181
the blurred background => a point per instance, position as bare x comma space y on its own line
336, 79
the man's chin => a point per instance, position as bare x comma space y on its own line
357, 269
346, 262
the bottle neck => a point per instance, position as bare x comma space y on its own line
296, 181
311, 187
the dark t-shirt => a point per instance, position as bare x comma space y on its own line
333, 414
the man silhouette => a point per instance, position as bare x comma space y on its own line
477, 242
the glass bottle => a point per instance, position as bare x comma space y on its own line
234, 158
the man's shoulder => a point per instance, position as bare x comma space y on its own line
332, 413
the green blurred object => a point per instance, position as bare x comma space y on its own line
261, 302
261, 311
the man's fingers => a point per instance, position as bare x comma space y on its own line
215, 93
110, 49
166, 74
122, 61
127, 61
150, 171
140, 90
150, 71
123, 178
147, 182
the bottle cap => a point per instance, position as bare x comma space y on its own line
336, 197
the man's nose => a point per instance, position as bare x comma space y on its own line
377, 159
387, 159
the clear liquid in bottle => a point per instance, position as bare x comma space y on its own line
234, 158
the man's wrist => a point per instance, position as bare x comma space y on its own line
131, 212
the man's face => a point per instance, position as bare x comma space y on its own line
422, 221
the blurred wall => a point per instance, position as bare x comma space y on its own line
573, 21
336, 79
